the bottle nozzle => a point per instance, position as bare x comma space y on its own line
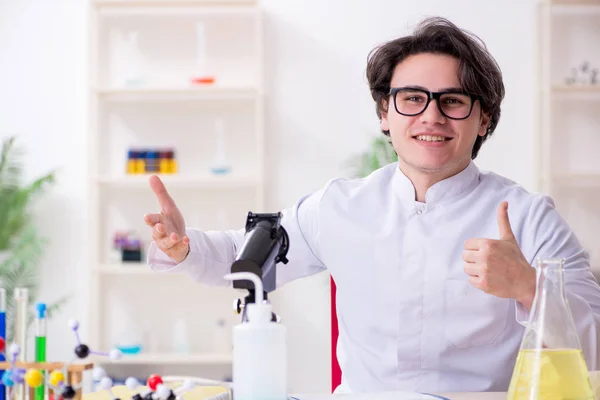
258, 287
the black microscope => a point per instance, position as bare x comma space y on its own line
266, 243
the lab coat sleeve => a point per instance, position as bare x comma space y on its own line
551, 237
210, 258
301, 222
213, 252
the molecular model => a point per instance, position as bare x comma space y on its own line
157, 390
56, 379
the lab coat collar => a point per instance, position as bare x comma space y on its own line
444, 190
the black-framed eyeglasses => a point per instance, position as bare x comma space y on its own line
452, 103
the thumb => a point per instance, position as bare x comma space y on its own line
504, 227
164, 199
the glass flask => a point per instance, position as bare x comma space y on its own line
550, 363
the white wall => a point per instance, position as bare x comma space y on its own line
42, 100
318, 104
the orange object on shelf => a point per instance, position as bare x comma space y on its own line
203, 79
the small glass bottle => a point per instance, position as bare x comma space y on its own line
141, 162
133, 60
164, 166
116, 256
132, 162
152, 161
221, 338
550, 363
21, 301
172, 162
202, 75
220, 164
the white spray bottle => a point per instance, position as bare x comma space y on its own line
259, 350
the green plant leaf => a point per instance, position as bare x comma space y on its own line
21, 249
380, 153
11, 165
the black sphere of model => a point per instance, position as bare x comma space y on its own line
82, 351
68, 392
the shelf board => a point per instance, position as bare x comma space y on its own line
171, 3
577, 180
232, 180
576, 2
133, 268
579, 8
168, 358
208, 92
577, 88
178, 9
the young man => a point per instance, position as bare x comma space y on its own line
433, 267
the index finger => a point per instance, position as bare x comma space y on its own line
164, 199
153, 219
474, 244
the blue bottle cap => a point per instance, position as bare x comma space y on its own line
41, 310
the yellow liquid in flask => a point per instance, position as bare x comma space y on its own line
563, 375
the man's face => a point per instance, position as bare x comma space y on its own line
416, 139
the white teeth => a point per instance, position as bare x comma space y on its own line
429, 138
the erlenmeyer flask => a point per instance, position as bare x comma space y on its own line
550, 363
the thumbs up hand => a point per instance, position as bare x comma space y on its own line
498, 267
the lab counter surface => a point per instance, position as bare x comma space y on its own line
474, 396
221, 393
404, 396
594, 380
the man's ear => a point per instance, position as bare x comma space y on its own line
384, 124
484, 123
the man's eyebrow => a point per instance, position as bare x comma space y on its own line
452, 90
417, 87
447, 89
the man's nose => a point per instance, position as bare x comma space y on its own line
432, 113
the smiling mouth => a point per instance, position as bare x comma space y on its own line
432, 138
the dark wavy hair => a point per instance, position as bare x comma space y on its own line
478, 72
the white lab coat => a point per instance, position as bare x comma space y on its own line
408, 317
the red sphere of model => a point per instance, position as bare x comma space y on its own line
154, 381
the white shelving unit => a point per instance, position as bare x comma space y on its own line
128, 270
169, 3
144, 54
201, 180
569, 137
173, 359
177, 93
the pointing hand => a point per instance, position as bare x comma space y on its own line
168, 226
